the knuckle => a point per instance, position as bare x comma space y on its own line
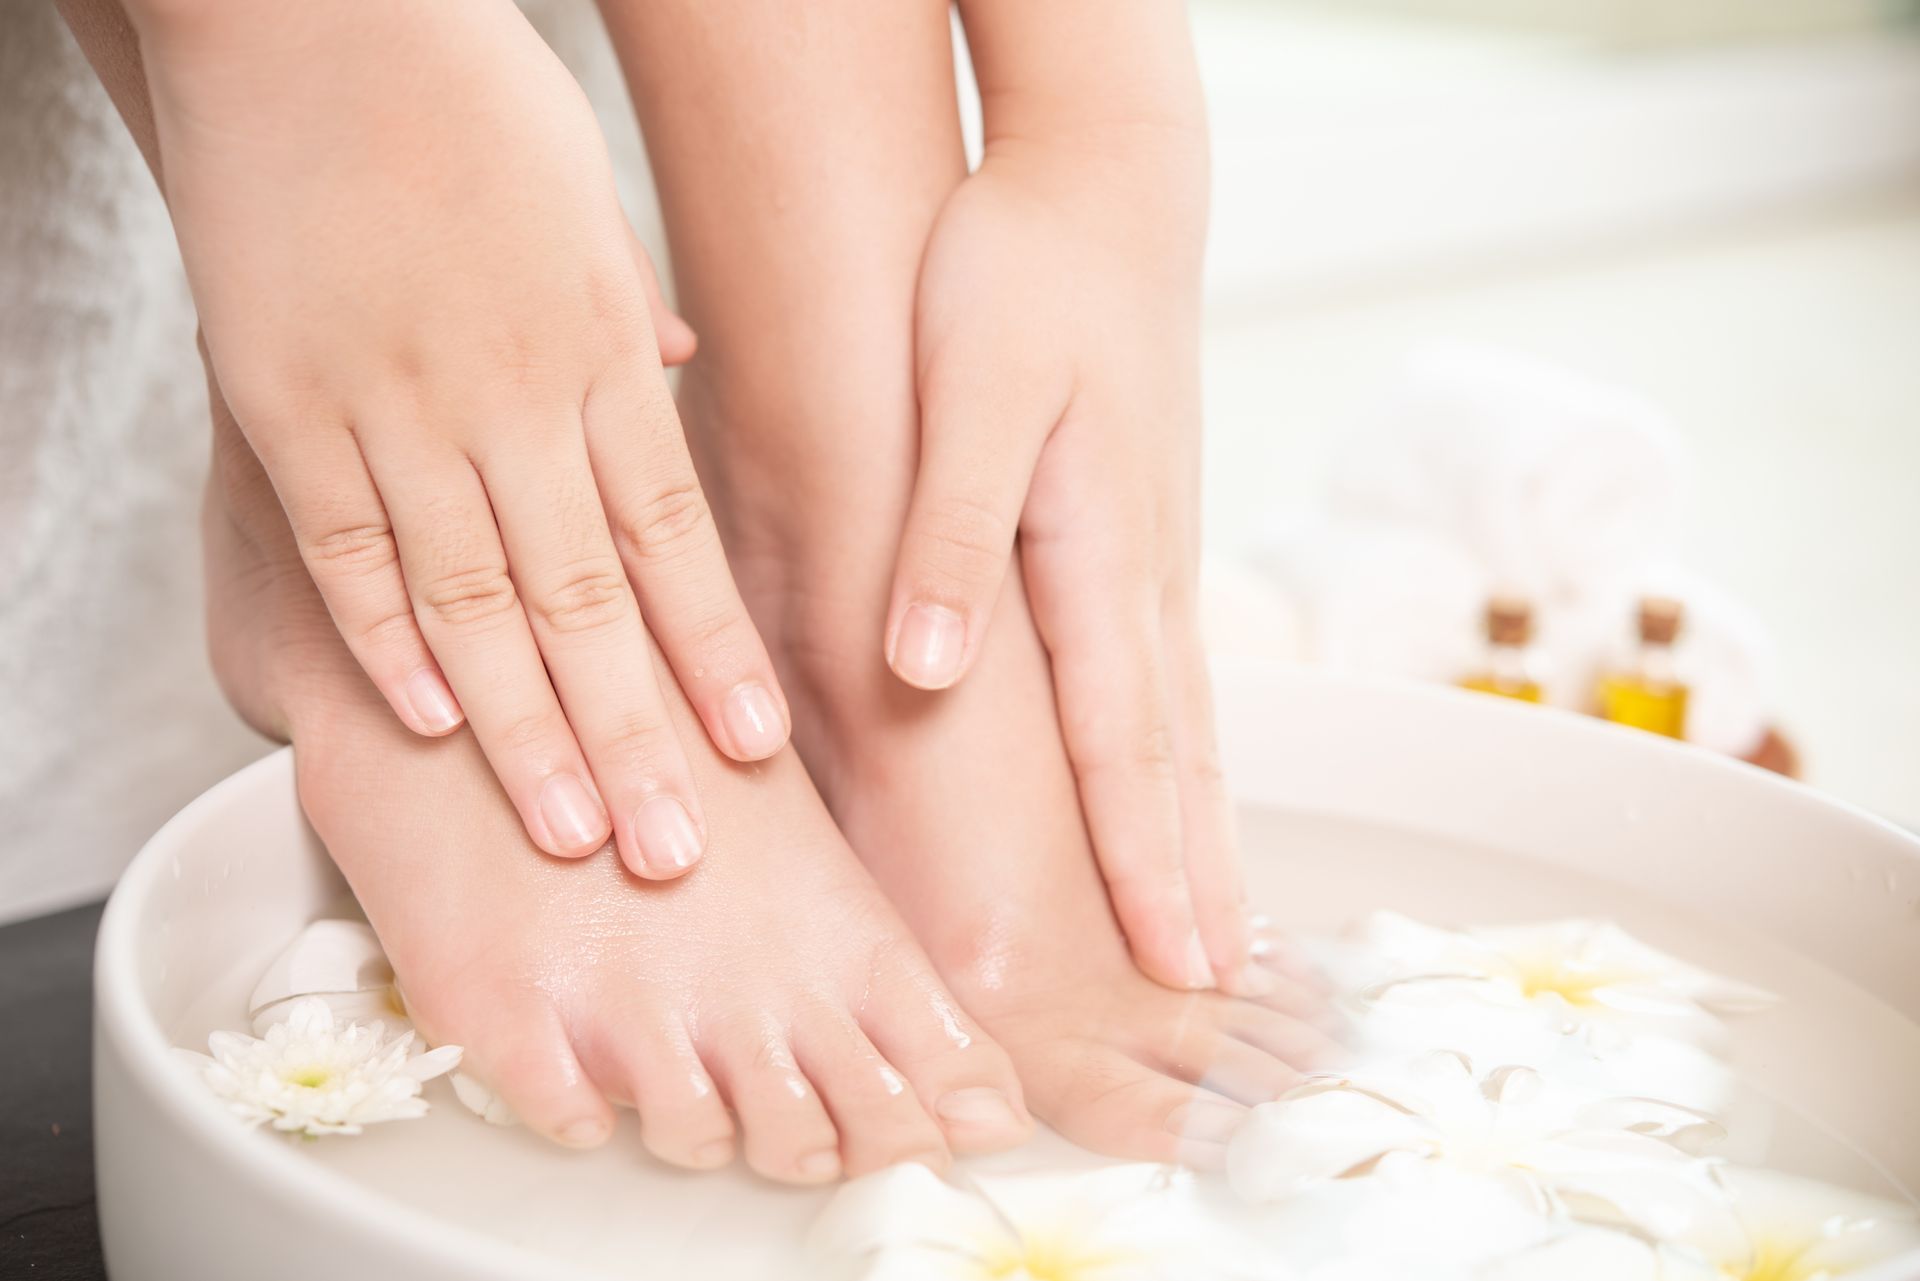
390, 633
353, 550
643, 744
964, 539
530, 734
665, 521
465, 597
590, 598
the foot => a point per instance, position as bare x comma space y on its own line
770, 1000
963, 804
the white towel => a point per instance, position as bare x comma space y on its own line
1551, 481
1480, 473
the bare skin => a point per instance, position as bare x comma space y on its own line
771, 1001
802, 404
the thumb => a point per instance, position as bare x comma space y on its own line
674, 336
976, 463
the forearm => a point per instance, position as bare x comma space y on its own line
1070, 69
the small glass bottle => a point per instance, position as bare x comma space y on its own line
1647, 692
1511, 668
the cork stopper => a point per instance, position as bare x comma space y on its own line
1509, 621
1660, 619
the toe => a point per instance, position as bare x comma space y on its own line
1300, 1044
786, 1132
877, 1113
682, 1118
1101, 1099
528, 1060
960, 1074
1234, 1069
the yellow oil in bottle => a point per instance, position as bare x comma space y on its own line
1648, 693
1509, 669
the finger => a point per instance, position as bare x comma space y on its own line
665, 537
469, 612
587, 624
981, 432
671, 334
1208, 843
1110, 677
341, 529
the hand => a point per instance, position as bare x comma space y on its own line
1057, 337
432, 323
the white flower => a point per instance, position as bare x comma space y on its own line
1558, 1149
1586, 976
1776, 1227
314, 1075
342, 963
1119, 1223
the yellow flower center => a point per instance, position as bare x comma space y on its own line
1046, 1261
1575, 986
1778, 1261
313, 1078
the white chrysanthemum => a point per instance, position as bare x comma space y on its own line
1120, 1223
313, 1074
1559, 1149
1586, 976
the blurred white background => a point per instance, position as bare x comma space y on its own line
1714, 204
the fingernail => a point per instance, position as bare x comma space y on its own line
820, 1165
928, 647
574, 819
710, 1156
978, 1107
666, 834
584, 1134
1206, 1121
754, 722
432, 700
1199, 972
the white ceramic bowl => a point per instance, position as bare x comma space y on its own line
185, 1193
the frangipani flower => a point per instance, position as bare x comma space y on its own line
1545, 1143
1586, 976
1119, 1223
1776, 1227
337, 961
314, 1075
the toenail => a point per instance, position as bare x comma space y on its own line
823, 1164
667, 837
754, 722
979, 1107
585, 1134
1206, 1122
713, 1155
573, 818
1199, 972
928, 647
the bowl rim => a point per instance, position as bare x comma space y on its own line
124, 1021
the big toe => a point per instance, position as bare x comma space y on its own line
524, 1055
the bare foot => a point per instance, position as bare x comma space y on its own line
770, 998
802, 407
